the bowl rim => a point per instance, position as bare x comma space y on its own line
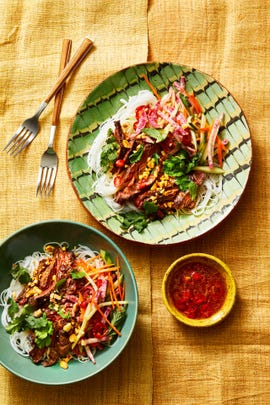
229, 300
128, 335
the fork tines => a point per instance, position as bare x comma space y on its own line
19, 141
46, 179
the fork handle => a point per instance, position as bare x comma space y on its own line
77, 58
66, 49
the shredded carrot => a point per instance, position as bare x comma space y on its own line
154, 91
113, 291
91, 259
80, 297
107, 320
205, 129
84, 265
101, 270
195, 103
220, 148
185, 112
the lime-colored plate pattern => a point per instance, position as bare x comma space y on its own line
105, 100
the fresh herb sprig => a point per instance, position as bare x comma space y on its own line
179, 166
26, 320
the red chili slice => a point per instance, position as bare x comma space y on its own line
117, 181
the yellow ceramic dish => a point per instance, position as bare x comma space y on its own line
212, 262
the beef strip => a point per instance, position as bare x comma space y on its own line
131, 185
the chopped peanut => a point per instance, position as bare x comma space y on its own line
63, 364
37, 313
67, 327
72, 338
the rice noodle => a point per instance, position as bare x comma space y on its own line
20, 343
209, 194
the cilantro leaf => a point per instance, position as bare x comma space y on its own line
178, 166
135, 219
20, 273
41, 326
109, 152
185, 184
13, 307
36, 322
43, 329
193, 189
149, 207
19, 323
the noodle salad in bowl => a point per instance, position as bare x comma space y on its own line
158, 156
63, 304
69, 307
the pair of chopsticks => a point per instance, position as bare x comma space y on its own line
66, 68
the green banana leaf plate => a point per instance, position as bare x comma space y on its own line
104, 101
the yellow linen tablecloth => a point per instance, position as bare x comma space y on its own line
164, 362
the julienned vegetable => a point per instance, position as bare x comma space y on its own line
158, 152
64, 304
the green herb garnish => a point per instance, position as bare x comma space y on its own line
20, 273
41, 326
109, 152
136, 155
117, 320
135, 219
13, 307
149, 207
178, 166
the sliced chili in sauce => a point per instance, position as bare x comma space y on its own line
197, 290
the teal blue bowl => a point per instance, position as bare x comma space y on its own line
32, 238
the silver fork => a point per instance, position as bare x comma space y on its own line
30, 127
49, 160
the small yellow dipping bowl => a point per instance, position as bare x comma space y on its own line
208, 261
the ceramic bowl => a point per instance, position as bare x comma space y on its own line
192, 308
32, 238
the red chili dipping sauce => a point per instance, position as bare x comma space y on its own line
197, 290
